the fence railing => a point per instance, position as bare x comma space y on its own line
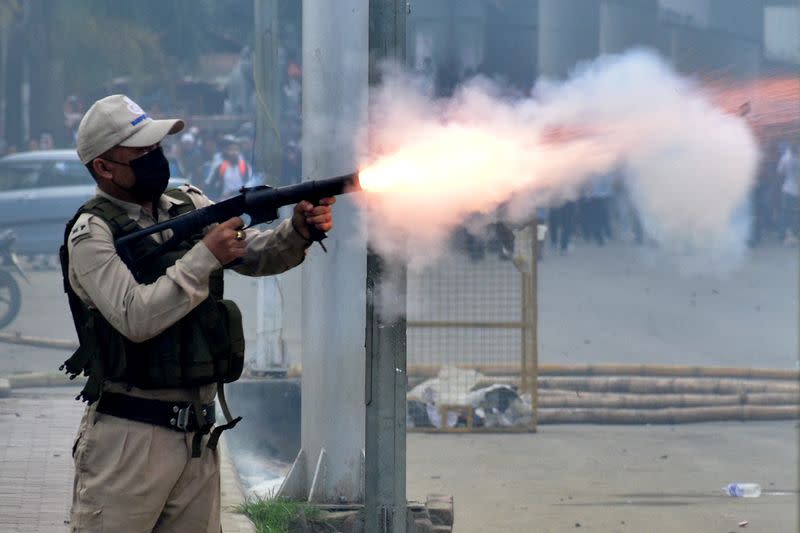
471, 337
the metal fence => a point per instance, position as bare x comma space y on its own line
472, 354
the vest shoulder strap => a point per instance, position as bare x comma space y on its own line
186, 204
118, 220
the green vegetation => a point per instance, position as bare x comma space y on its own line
92, 47
274, 516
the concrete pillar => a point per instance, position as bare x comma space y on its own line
451, 34
428, 33
267, 77
279, 324
329, 467
386, 386
510, 43
628, 23
717, 38
568, 34
385, 506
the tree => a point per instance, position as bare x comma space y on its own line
11, 72
45, 71
81, 46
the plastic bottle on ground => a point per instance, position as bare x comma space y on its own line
742, 490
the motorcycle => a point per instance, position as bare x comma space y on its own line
10, 296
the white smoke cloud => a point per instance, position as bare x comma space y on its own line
435, 163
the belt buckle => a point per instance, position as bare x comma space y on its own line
182, 420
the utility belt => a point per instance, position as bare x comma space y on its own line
179, 416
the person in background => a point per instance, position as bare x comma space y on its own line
46, 141
209, 156
763, 214
595, 208
188, 157
73, 112
561, 222
231, 173
789, 170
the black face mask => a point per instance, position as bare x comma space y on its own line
152, 175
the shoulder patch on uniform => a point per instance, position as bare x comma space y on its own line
191, 188
80, 230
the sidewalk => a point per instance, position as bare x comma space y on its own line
37, 427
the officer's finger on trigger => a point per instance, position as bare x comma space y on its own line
318, 219
234, 222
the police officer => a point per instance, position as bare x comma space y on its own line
157, 341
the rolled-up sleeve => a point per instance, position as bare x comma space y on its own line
138, 311
273, 251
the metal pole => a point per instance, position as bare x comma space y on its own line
268, 357
534, 326
568, 33
267, 76
386, 385
385, 507
524, 345
335, 65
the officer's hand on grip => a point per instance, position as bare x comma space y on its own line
307, 215
226, 241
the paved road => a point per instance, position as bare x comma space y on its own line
616, 304
37, 428
613, 479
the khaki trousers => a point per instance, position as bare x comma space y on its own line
132, 477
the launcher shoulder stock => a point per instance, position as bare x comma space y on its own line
181, 227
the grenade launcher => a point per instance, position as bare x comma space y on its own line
259, 203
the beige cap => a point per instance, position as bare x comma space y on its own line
118, 120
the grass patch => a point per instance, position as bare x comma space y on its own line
274, 515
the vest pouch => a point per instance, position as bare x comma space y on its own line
109, 361
87, 349
204, 336
163, 368
152, 364
230, 368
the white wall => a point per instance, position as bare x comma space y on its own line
698, 10
782, 33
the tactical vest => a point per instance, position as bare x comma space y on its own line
206, 346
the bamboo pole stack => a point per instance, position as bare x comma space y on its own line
650, 394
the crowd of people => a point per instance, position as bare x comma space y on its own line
218, 164
604, 211
788, 177
221, 162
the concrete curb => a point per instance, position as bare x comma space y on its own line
18, 338
232, 495
40, 379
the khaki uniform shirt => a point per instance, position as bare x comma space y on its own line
101, 279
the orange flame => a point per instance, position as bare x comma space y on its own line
390, 175
450, 162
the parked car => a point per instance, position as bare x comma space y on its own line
39, 192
